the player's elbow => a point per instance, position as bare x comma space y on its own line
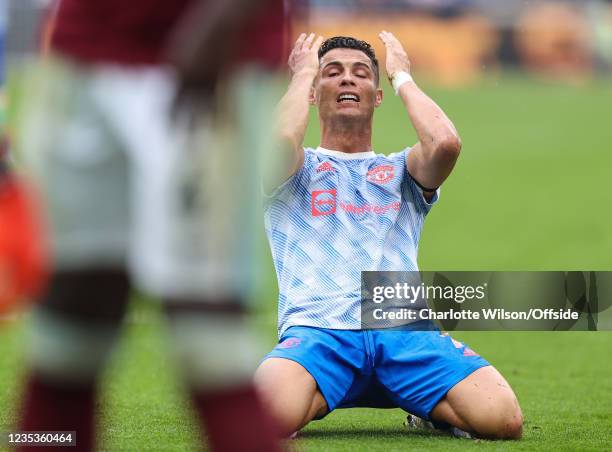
448, 147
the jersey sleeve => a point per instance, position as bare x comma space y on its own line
412, 190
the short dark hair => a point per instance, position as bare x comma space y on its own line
347, 42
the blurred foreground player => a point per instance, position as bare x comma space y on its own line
344, 209
22, 257
124, 164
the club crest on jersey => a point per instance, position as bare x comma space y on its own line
325, 166
381, 174
323, 202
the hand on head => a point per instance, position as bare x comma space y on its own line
304, 56
397, 60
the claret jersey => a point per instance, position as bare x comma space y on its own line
339, 215
136, 32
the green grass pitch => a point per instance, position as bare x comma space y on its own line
531, 192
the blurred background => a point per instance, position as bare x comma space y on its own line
529, 86
452, 42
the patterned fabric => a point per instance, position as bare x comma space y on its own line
341, 214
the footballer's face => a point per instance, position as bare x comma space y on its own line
346, 85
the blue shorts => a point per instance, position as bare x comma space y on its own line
412, 370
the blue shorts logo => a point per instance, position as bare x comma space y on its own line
290, 343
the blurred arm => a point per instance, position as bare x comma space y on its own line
199, 48
434, 156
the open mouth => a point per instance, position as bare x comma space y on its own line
347, 97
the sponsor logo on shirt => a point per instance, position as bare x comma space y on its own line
323, 202
325, 166
370, 208
381, 174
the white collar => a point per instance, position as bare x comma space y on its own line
346, 155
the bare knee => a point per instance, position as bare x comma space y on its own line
484, 404
289, 393
502, 420
514, 427
510, 420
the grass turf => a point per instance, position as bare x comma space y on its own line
562, 381
530, 193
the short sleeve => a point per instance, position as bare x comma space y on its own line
415, 191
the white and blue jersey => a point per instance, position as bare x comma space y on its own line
339, 215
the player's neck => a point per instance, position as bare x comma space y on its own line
348, 138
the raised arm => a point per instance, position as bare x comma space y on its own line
293, 109
434, 156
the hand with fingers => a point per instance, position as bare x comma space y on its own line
397, 59
304, 56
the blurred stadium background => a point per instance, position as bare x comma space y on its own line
451, 41
529, 87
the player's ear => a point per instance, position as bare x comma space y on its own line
312, 97
379, 97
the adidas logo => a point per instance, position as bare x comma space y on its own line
325, 166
